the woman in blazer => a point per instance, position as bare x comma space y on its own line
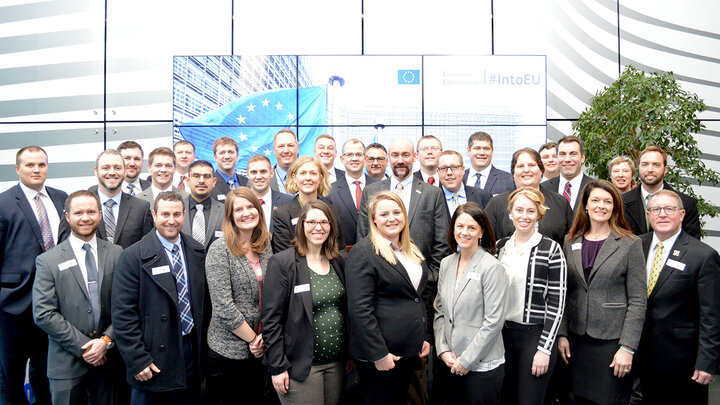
309, 179
536, 298
388, 303
304, 310
606, 298
234, 267
470, 310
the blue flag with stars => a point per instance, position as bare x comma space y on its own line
253, 121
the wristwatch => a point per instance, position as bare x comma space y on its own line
110, 342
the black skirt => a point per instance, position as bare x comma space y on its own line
591, 376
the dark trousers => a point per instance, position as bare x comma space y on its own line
387, 387
520, 386
21, 340
190, 395
229, 380
96, 387
475, 388
662, 389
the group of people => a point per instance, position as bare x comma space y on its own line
301, 283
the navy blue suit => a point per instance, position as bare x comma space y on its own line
341, 197
498, 181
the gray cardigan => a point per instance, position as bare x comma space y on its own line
235, 298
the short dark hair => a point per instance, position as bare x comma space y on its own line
480, 136
199, 163
548, 145
533, 154
169, 196
129, 145
487, 240
225, 140
330, 247
31, 148
162, 151
183, 142
654, 148
376, 146
81, 193
571, 139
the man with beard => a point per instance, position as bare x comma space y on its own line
225, 152
184, 155
652, 168
286, 149
132, 154
260, 173
376, 161
204, 214
125, 219
71, 277
161, 165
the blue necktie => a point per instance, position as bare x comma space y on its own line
92, 278
186, 320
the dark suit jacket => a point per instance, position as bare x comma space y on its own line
554, 183
635, 212
145, 311
133, 222
284, 221
287, 315
144, 184
221, 188
212, 225
278, 200
387, 314
341, 196
427, 216
682, 323
498, 181
20, 243
61, 306
473, 194
555, 224
418, 175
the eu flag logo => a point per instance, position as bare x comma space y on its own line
406, 76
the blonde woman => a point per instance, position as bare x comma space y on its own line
388, 303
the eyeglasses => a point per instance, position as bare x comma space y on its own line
443, 169
312, 223
354, 155
426, 149
655, 211
197, 176
376, 159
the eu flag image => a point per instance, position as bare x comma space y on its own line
253, 120
408, 76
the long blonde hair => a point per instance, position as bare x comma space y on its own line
292, 187
382, 247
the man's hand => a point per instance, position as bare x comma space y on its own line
95, 352
425, 349
147, 373
281, 382
387, 362
702, 377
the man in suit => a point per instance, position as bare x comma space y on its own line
346, 192
29, 220
572, 180
680, 345
450, 169
132, 153
286, 149
260, 173
429, 149
376, 161
71, 303
203, 214
158, 298
325, 151
184, 155
482, 174
652, 168
225, 151
161, 165
548, 155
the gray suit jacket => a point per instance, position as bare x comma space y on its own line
469, 319
148, 196
427, 217
212, 226
611, 304
61, 305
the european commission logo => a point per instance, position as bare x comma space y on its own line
406, 76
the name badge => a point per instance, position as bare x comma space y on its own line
301, 288
66, 265
576, 246
474, 276
221, 197
219, 234
160, 270
294, 221
676, 264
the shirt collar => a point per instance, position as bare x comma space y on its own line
76, 243
350, 180
104, 197
449, 194
406, 183
30, 193
667, 243
282, 174
645, 193
225, 177
167, 244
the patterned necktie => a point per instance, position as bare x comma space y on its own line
181, 184
431, 180
231, 184
656, 267
186, 320
647, 218
567, 193
131, 189
399, 189
198, 224
456, 201
358, 194
44, 222
109, 219
92, 283
477, 182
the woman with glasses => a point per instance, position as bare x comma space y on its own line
606, 298
309, 179
304, 312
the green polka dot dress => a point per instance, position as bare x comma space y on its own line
327, 295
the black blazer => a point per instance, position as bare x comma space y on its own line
635, 212
341, 196
554, 183
387, 314
144, 184
278, 200
145, 312
221, 188
20, 243
287, 317
473, 194
554, 224
133, 222
285, 219
682, 321
498, 181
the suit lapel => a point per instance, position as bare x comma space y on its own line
67, 254
346, 197
611, 244
680, 246
217, 211
195, 274
416, 192
491, 180
153, 256
474, 262
103, 264
576, 257
303, 277
123, 214
24, 206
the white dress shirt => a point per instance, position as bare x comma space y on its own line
574, 188
363, 181
667, 245
77, 247
52, 213
472, 178
267, 207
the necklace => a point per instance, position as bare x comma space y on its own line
597, 236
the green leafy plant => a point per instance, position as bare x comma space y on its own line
641, 109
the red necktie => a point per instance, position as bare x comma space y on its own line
358, 194
262, 201
181, 185
431, 180
567, 192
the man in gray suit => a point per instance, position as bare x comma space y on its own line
203, 215
161, 165
71, 303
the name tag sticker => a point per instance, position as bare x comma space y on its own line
474, 276
160, 270
221, 197
219, 234
66, 265
418, 191
301, 288
577, 246
294, 221
676, 264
